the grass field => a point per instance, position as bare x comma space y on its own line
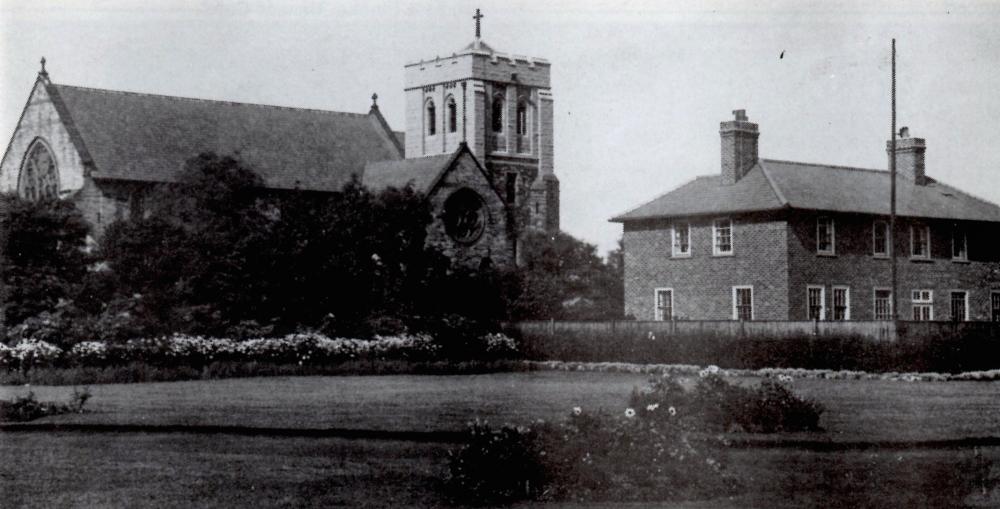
71, 469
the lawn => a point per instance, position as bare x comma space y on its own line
62, 469
856, 409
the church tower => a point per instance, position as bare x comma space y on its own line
500, 105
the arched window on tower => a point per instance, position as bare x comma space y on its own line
523, 141
431, 118
452, 115
39, 178
498, 114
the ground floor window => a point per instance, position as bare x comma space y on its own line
815, 301
923, 305
883, 304
743, 303
841, 303
664, 304
959, 306
995, 306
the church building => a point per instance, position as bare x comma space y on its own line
478, 144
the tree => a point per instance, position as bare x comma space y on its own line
562, 277
42, 255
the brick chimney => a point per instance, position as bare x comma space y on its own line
739, 146
909, 156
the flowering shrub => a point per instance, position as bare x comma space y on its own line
197, 351
628, 457
716, 404
499, 345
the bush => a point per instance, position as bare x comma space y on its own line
588, 457
717, 405
27, 408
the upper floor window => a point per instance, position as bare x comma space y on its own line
681, 239
39, 178
959, 243
497, 114
452, 115
920, 241
880, 239
824, 236
522, 118
722, 237
431, 119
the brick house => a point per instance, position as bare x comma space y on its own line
780, 240
478, 144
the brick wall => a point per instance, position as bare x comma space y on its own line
854, 265
703, 283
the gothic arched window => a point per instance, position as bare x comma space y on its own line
431, 118
452, 115
39, 178
498, 114
522, 117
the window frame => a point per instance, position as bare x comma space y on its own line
497, 114
927, 232
430, 117
995, 309
951, 309
889, 301
753, 311
715, 237
917, 300
674, 252
832, 251
451, 110
522, 119
957, 228
510, 186
885, 238
657, 310
822, 302
847, 302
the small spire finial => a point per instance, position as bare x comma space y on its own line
374, 100
43, 72
478, 17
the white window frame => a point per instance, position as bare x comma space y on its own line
833, 237
675, 245
927, 231
966, 293
657, 312
993, 294
847, 302
923, 297
715, 238
955, 229
875, 302
885, 239
753, 310
822, 301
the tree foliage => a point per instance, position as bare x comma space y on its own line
42, 255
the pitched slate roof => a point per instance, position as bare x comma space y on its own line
815, 187
144, 137
421, 172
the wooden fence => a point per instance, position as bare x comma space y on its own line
878, 330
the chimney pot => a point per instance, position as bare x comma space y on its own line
740, 115
904, 132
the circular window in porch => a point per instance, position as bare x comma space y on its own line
465, 216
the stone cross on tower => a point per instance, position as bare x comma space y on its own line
478, 17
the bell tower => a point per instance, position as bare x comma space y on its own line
500, 105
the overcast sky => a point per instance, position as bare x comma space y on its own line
639, 87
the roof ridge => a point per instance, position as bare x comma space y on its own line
774, 187
213, 101
837, 166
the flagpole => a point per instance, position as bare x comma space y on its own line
892, 191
